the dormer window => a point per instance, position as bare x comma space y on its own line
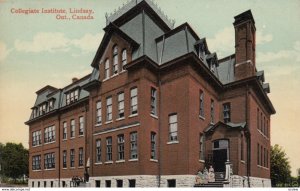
72, 96
51, 105
106, 68
35, 112
115, 59
124, 58
43, 109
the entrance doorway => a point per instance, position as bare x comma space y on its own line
220, 155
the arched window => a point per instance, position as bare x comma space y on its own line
106, 69
115, 59
124, 58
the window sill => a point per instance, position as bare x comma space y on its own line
120, 161
98, 124
120, 119
242, 161
153, 160
108, 122
49, 143
64, 168
114, 75
81, 136
109, 162
36, 146
202, 161
72, 168
98, 163
49, 169
133, 115
37, 170
105, 79
64, 140
133, 160
154, 116
81, 167
172, 142
72, 137
123, 71
262, 167
263, 134
201, 117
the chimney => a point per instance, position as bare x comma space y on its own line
74, 79
244, 26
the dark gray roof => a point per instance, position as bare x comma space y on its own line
226, 71
229, 125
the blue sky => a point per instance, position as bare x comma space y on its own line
38, 49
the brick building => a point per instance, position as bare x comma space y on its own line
157, 107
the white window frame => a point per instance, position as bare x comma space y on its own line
121, 147
153, 101
73, 128
134, 101
81, 126
109, 109
106, 69
121, 105
65, 130
98, 150
133, 145
124, 58
173, 127
99, 112
115, 68
109, 149
153, 145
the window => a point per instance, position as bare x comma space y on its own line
131, 183
72, 96
242, 147
34, 112
115, 59
124, 58
201, 145
98, 113
51, 183
201, 103
36, 138
51, 105
261, 155
39, 183
171, 183
98, 150
64, 159
133, 101
49, 161
81, 125
153, 145
109, 109
72, 128
65, 130
267, 158
36, 162
153, 102
226, 112
63, 184
45, 184
121, 147
133, 145
119, 183
97, 182
43, 109
267, 128
107, 183
109, 149
257, 118
72, 158
212, 111
49, 134
106, 75
264, 126
261, 121
32, 184
121, 105
80, 156
258, 154
173, 127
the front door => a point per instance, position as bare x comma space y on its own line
219, 159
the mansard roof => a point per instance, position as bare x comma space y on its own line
109, 31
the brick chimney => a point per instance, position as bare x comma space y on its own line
244, 26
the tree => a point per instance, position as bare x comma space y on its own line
298, 175
13, 160
280, 167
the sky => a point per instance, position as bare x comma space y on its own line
42, 49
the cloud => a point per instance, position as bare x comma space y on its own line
58, 42
88, 42
4, 52
262, 39
49, 42
224, 40
282, 54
